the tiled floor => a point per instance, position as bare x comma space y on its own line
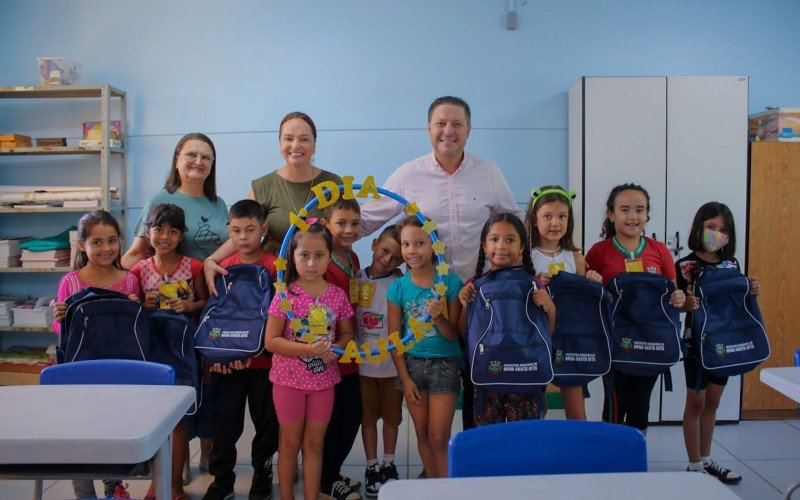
765, 453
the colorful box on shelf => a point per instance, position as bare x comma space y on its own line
777, 124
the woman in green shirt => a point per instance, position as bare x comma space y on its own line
285, 190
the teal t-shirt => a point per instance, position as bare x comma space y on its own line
206, 220
413, 299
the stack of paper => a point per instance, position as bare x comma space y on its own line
34, 314
10, 252
48, 259
73, 245
6, 316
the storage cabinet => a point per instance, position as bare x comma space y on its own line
684, 139
772, 248
107, 169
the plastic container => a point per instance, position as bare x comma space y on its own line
57, 71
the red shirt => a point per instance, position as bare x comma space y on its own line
268, 261
337, 276
604, 258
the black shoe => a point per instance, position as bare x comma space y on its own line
422, 475
373, 480
340, 491
389, 472
727, 476
219, 491
353, 483
261, 487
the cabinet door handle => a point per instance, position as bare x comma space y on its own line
675, 244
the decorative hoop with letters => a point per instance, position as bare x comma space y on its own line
327, 193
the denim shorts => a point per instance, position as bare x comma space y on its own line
434, 375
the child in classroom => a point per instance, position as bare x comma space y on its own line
626, 249
343, 220
304, 374
173, 282
430, 372
97, 264
550, 222
504, 244
712, 240
380, 399
247, 383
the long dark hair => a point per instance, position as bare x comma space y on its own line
85, 225
317, 228
530, 217
709, 211
173, 181
608, 226
167, 213
512, 219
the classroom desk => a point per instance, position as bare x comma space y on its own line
785, 380
55, 428
619, 486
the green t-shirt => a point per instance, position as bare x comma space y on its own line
279, 197
206, 220
413, 300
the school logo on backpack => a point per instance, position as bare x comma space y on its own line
644, 326
508, 341
728, 325
103, 324
232, 324
581, 348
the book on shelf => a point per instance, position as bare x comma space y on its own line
45, 264
30, 255
50, 142
81, 203
21, 355
34, 313
10, 246
10, 261
95, 143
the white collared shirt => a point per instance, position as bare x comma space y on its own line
459, 204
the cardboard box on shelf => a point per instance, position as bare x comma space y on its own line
777, 124
91, 130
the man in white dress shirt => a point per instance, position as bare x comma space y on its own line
455, 189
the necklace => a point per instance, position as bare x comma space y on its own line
347, 269
289, 194
549, 253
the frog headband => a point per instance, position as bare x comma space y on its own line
537, 193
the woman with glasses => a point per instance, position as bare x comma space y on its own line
191, 185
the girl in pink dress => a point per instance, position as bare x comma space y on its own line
303, 374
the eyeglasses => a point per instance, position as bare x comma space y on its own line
192, 157
172, 232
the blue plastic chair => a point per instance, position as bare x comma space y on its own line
536, 447
108, 371
797, 358
104, 372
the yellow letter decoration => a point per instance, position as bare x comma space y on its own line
319, 192
297, 221
382, 351
401, 348
347, 183
368, 188
351, 353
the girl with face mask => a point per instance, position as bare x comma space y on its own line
712, 240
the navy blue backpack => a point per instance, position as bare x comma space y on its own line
232, 325
508, 340
645, 338
727, 329
173, 345
103, 324
581, 348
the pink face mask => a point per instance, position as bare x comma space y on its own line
713, 240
